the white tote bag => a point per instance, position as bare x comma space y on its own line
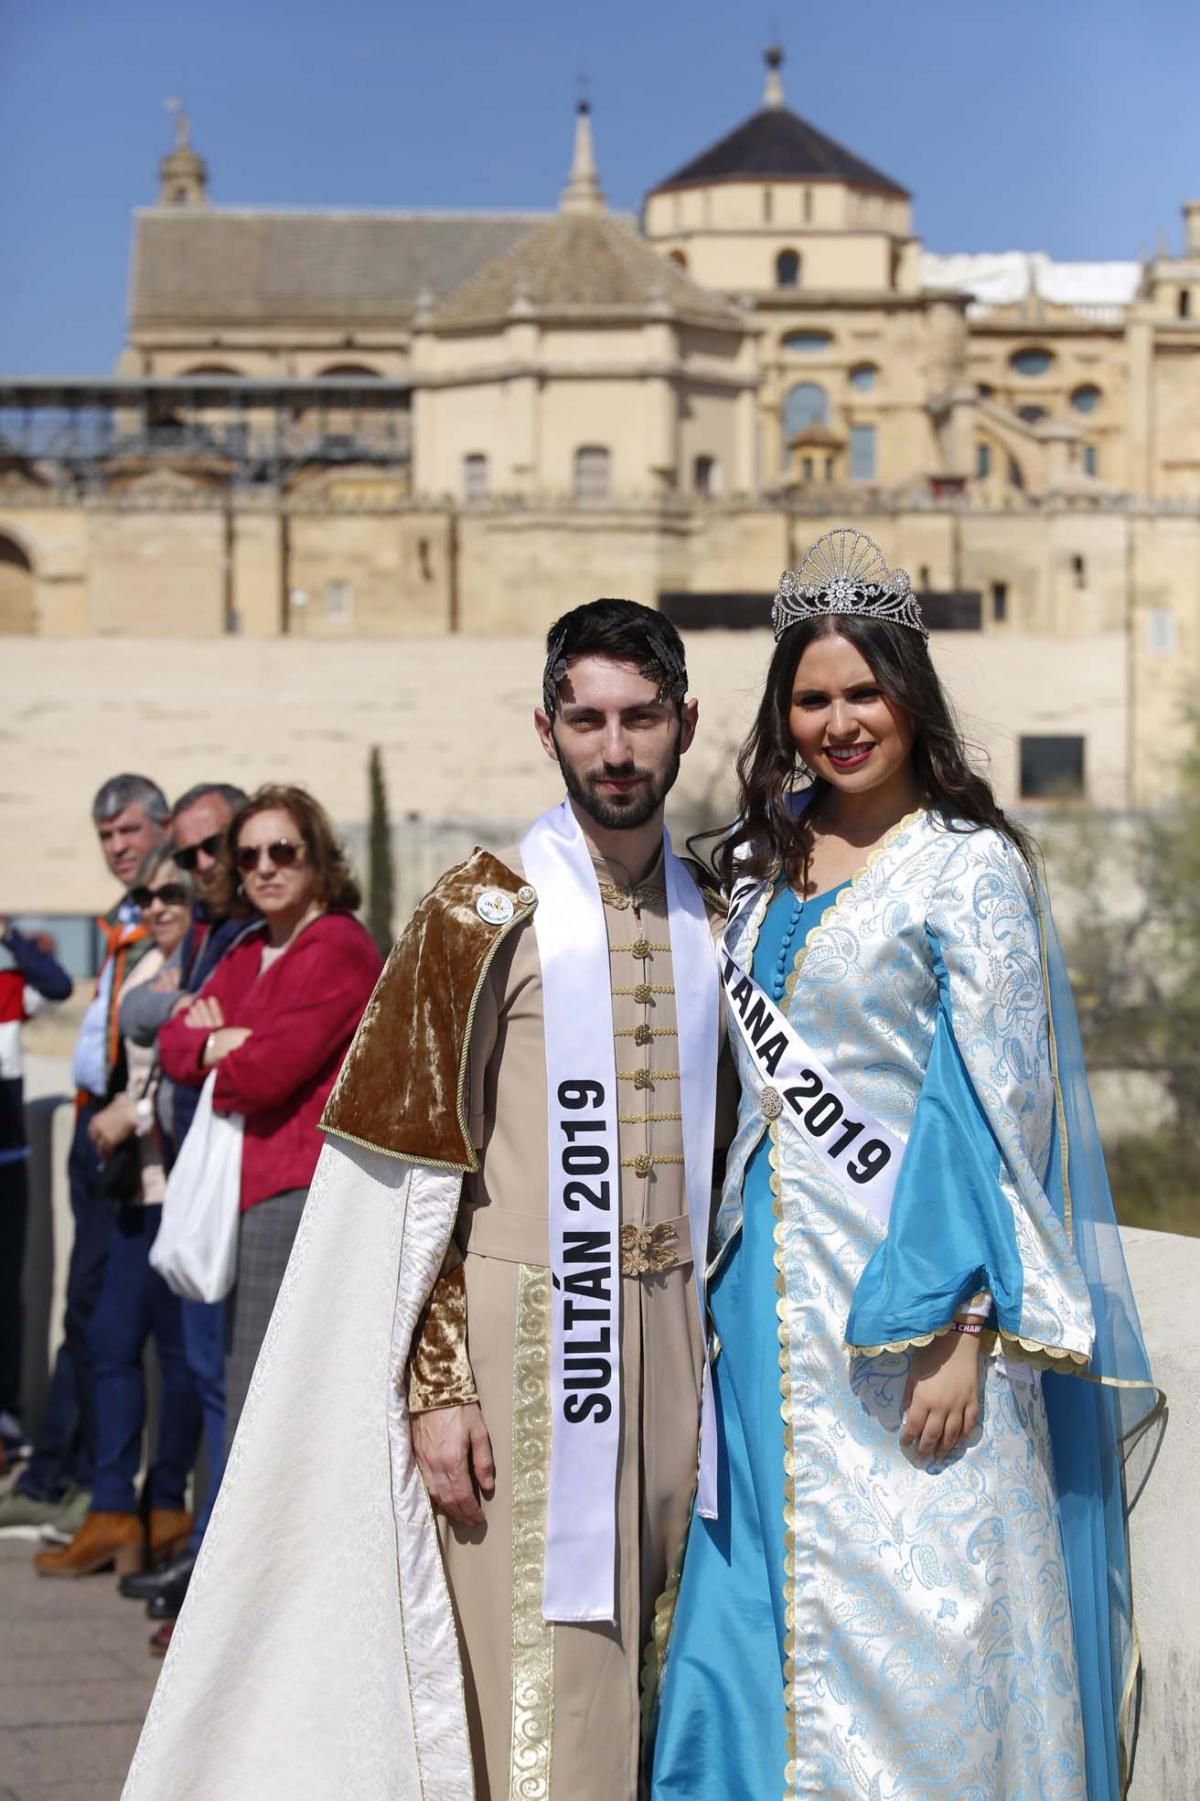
195, 1250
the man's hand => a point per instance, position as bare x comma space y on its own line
941, 1402
112, 1125
454, 1455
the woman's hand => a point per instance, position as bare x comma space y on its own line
941, 1402
112, 1125
206, 1013
221, 1042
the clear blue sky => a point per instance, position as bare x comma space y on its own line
1070, 126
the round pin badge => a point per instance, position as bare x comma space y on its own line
526, 894
495, 907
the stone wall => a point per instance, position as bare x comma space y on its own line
452, 717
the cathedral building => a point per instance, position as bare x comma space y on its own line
371, 424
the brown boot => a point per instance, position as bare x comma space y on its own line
104, 1539
170, 1533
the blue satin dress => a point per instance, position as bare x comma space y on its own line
722, 1728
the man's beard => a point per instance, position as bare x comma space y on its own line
620, 812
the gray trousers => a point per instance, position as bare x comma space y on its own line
266, 1234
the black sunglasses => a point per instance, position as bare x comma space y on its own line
211, 846
171, 894
280, 855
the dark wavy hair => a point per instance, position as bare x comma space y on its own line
337, 887
771, 833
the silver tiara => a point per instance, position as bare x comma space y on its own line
844, 572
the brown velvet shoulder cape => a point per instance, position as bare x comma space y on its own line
401, 1087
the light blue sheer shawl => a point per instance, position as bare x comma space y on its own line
1096, 1420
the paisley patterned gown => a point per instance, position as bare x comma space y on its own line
858, 1626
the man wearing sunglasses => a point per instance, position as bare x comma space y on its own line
219, 921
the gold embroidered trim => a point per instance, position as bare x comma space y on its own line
646, 1078
646, 1119
644, 990
533, 1637
993, 1341
655, 1031
641, 947
647, 1161
621, 899
648, 1250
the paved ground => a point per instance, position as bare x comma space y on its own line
75, 1681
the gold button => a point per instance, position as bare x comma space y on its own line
641, 1078
643, 994
640, 947
643, 1034
643, 1164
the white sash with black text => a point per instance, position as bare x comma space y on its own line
585, 1193
799, 1091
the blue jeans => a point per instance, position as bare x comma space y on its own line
204, 1347
66, 1442
135, 1304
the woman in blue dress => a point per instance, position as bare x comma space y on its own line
915, 1587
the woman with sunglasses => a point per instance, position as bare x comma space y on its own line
135, 1303
275, 1020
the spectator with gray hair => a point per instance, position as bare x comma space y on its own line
131, 815
135, 1304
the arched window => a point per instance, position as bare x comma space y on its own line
804, 405
592, 478
863, 377
348, 372
221, 369
475, 476
18, 609
1086, 399
1032, 415
983, 460
787, 269
1185, 303
1091, 460
706, 475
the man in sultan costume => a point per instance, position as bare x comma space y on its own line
493, 1289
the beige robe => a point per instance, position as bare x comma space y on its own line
554, 1710
318, 1652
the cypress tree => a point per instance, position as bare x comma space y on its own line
380, 873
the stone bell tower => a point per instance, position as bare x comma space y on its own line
182, 173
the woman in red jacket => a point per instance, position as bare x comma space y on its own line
276, 1018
